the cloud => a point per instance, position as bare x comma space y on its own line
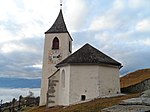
143, 25
11, 47
137, 3
7, 94
21, 57
103, 22
75, 14
23, 19
126, 47
146, 42
109, 18
119, 28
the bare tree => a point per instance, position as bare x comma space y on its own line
1, 105
13, 104
19, 105
31, 94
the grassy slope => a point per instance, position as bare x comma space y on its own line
135, 77
91, 106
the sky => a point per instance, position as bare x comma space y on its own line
118, 28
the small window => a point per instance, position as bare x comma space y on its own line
69, 46
63, 79
55, 43
83, 97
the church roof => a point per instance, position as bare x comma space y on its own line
88, 55
59, 25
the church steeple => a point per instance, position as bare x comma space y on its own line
59, 25
57, 46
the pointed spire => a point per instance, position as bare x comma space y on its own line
59, 25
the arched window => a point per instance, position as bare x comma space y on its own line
69, 46
55, 43
63, 79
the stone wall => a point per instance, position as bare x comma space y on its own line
53, 90
144, 85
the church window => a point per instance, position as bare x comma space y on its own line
69, 46
55, 43
63, 79
83, 97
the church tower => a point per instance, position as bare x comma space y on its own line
57, 46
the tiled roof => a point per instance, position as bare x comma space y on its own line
88, 55
59, 25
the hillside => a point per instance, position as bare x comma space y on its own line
92, 106
134, 78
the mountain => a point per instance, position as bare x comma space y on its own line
135, 78
19, 83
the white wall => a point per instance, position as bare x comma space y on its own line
64, 91
83, 81
109, 80
93, 81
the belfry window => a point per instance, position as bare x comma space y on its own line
55, 43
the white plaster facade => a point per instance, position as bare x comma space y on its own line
83, 81
64, 91
93, 81
109, 80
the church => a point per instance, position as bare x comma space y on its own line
69, 78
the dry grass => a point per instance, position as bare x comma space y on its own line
134, 78
91, 106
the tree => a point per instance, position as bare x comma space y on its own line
13, 104
31, 94
20, 98
1, 105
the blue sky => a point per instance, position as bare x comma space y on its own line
119, 28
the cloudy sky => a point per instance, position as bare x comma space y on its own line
119, 28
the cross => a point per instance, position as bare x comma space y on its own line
60, 4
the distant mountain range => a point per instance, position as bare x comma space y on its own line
19, 83
134, 78
125, 81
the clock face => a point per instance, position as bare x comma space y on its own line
55, 56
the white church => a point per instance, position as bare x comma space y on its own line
69, 78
